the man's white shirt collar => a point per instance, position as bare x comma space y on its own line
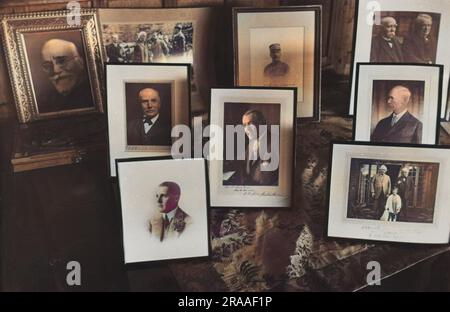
399, 116
170, 215
147, 127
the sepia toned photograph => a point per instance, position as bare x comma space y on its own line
165, 35
162, 211
145, 102
248, 171
405, 37
56, 69
389, 192
391, 110
149, 114
280, 47
165, 42
252, 154
393, 191
403, 32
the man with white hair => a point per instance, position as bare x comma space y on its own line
65, 68
142, 53
385, 46
381, 187
421, 46
400, 126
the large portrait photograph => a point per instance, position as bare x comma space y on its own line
164, 214
395, 110
403, 32
389, 192
172, 35
252, 158
55, 68
145, 102
280, 48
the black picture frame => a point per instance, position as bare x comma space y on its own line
149, 65
317, 9
357, 82
294, 145
150, 264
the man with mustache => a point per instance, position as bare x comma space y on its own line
421, 46
150, 129
385, 47
67, 73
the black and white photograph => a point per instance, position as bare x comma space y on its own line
145, 102
403, 32
389, 192
57, 69
252, 158
248, 171
394, 110
280, 47
165, 35
164, 214
149, 118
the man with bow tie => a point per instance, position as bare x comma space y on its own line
385, 47
401, 126
151, 129
170, 221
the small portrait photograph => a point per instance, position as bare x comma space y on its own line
161, 42
393, 191
164, 214
389, 192
149, 114
402, 32
252, 147
165, 35
56, 70
405, 37
248, 171
398, 111
145, 102
280, 47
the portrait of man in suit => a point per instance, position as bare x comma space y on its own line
400, 126
386, 48
170, 220
114, 51
152, 127
59, 71
381, 187
421, 45
277, 68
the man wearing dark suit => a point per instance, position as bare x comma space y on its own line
405, 185
254, 170
114, 51
149, 130
401, 126
170, 221
421, 47
385, 47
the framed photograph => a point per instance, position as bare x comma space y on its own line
280, 47
389, 192
403, 31
164, 213
398, 103
170, 35
145, 101
252, 150
56, 68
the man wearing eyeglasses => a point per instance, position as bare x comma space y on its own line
66, 71
385, 47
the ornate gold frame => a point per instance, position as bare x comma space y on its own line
15, 25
